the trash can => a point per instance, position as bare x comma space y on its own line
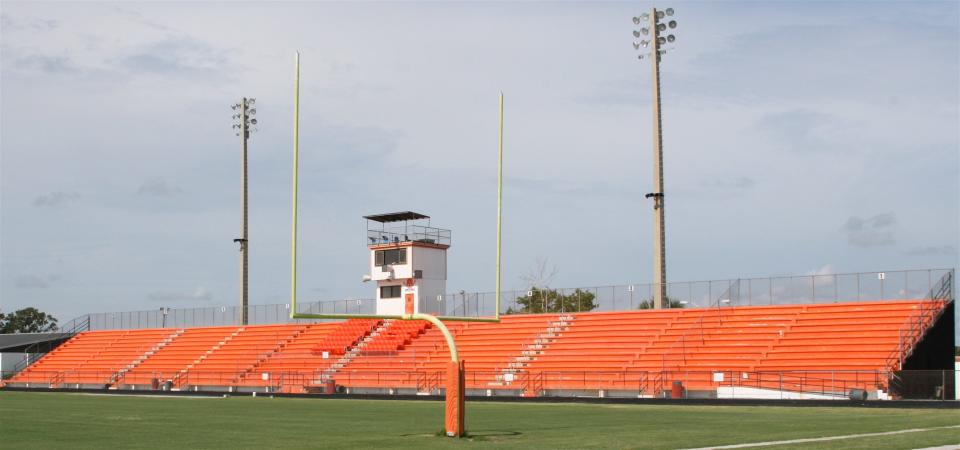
858, 394
677, 390
154, 384
330, 387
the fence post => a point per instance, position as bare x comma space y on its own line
781, 386
906, 283
770, 287
882, 296
836, 295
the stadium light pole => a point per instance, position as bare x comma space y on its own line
656, 22
244, 121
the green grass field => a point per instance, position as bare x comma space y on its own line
75, 421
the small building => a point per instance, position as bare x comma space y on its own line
408, 261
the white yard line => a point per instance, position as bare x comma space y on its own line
822, 439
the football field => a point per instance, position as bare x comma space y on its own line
75, 421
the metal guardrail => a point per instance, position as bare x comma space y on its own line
912, 331
36, 351
409, 233
812, 384
799, 289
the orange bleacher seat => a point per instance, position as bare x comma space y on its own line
175, 358
828, 346
93, 357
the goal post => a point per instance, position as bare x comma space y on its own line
454, 417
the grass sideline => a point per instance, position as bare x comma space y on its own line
60, 420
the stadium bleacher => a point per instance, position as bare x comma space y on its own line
832, 346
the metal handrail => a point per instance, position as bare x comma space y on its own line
80, 324
836, 383
699, 325
910, 332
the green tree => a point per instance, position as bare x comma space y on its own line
546, 300
27, 320
673, 303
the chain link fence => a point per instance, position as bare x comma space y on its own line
784, 290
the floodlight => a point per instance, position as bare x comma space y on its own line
640, 57
669, 11
636, 33
659, 14
254, 121
661, 27
636, 21
661, 40
252, 101
645, 31
252, 112
672, 24
645, 16
671, 38
636, 45
644, 43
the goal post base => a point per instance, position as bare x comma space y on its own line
455, 404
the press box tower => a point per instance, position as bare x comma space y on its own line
408, 261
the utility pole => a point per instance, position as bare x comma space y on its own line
653, 28
244, 119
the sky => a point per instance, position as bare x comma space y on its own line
799, 137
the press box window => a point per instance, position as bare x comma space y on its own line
389, 291
392, 256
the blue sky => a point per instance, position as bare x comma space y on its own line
799, 137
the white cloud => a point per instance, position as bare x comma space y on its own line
872, 231
826, 269
735, 183
36, 282
933, 250
158, 187
198, 294
56, 198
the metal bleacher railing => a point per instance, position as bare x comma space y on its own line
35, 351
796, 384
796, 289
928, 313
408, 233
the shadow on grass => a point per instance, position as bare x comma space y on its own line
481, 435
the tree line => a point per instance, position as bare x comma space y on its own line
27, 320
